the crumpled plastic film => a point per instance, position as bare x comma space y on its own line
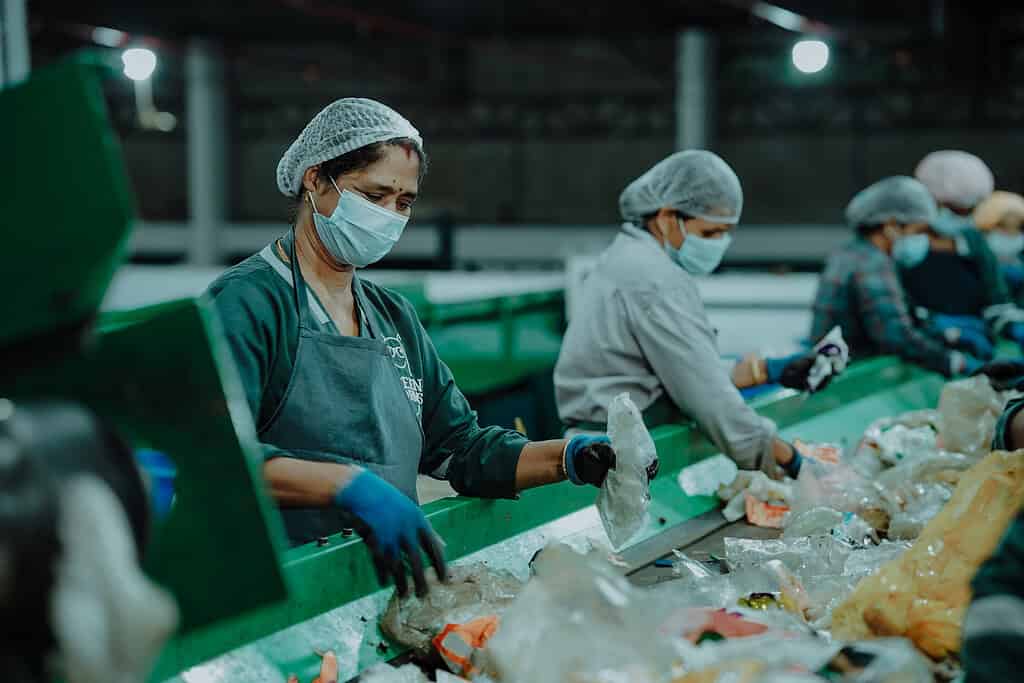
841, 488
808, 556
625, 495
894, 659
472, 591
687, 567
867, 561
579, 620
969, 409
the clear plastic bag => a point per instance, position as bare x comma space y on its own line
969, 409
817, 521
841, 488
578, 619
706, 477
874, 447
625, 495
899, 443
689, 568
867, 561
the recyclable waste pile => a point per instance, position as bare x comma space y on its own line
866, 581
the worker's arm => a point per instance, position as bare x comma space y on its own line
678, 341
305, 483
883, 310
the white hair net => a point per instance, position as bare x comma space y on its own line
695, 182
999, 209
899, 198
956, 178
342, 126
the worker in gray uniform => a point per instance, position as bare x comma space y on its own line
641, 326
350, 399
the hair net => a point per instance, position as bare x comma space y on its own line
899, 198
342, 126
956, 178
695, 182
999, 207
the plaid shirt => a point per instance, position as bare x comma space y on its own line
860, 291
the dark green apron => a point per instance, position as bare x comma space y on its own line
344, 403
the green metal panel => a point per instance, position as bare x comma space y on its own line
165, 378
340, 574
57, 136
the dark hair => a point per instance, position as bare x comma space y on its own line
869, 229
357, 160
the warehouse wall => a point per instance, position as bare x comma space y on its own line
549, 132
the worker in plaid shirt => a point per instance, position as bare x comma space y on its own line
860, 290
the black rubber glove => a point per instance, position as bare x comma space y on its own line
795, 372
588, 459
1004, 374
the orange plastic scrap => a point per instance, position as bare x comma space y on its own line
457, 642
328, 669
760, 513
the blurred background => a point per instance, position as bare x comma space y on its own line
536, 114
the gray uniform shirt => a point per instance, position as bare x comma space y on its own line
641, 327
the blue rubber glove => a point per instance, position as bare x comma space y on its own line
1015, 331
792, 468
1014, 274
966, 333
972, 365
394, 529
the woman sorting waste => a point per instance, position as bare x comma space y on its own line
641, 325
350, 398
860, 290
956, 285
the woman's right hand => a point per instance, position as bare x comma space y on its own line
394, 529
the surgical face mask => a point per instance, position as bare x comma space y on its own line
910, 250
1005, 245
358, 232
699, 255
949, 224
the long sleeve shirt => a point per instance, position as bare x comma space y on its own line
860, 291
641, 328
257, 308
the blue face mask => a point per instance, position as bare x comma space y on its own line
358, 232
911, 250
949, 224
699, 255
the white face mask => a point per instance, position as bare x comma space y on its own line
699, 255
1005, 245
358, 232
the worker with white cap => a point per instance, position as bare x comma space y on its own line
959, 285
350, 399
641, 326
1001, 219
860, 290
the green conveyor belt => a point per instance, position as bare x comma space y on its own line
338, 578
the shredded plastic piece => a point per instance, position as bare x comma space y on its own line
625, 495
385, 673
472, 591
757, 485
704, 478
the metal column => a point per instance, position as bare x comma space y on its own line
694, 88
14, 49
207, 131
